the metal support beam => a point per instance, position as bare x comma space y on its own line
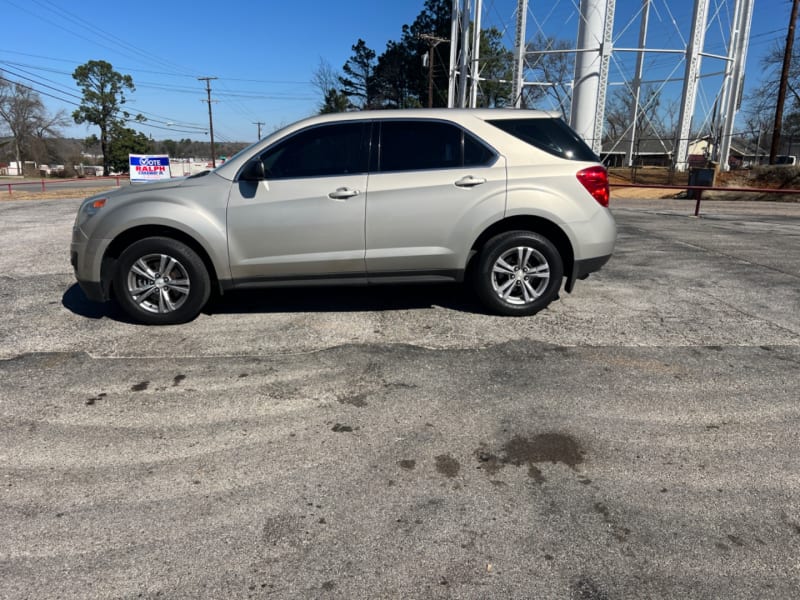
455, 19
636, 86
690, 77
519, 53
734, 79
591, 70
476, 54
605, 62
463, 56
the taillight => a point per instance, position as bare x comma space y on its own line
595, 180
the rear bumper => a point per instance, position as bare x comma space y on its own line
589, 265
582, 268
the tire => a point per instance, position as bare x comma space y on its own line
519, 273
161, 281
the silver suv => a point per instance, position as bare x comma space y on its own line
514, 201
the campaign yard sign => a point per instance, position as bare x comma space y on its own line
149, 167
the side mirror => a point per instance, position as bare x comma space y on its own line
253, 170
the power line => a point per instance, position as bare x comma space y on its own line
150, 71
155, 118
119, 45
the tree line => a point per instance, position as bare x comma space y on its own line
399, 76
35, 134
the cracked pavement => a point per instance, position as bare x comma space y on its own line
636, 439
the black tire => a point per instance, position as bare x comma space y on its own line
161, 281
519, 273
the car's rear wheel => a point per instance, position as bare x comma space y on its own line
161, 281
519, 273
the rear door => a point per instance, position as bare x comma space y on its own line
307, 219
435, 187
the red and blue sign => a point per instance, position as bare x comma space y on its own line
149, 167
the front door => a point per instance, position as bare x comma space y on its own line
306, 220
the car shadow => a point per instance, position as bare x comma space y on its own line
346, 299
75, 301
454, 296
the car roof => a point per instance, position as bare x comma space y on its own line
450, 114
462, 116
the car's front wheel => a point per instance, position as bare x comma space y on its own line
161, 281
519, 273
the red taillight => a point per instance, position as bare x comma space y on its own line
595, 180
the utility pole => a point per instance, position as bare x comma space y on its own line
787, 60
433, 41
210, 119
259, 123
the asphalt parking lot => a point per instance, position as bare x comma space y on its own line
638, 439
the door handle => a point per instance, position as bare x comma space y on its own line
470, 181
343, 193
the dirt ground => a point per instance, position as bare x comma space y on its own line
52, 194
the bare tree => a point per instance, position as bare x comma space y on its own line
759, 105
327, 81
325, 78
552, 73
653, 119
24, 114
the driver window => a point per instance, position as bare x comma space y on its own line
327, 150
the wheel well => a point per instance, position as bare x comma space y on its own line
528, 223
126, 238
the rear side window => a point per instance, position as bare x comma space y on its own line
424, 145
328, 150
551, 135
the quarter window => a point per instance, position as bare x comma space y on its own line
551, 135
328, 150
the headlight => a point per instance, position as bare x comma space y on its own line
88, 209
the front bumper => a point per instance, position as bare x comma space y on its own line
82, 257
94, 290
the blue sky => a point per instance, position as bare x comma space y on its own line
265, 52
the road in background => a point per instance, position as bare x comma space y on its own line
636, 439
69, 187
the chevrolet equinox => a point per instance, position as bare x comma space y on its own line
511, 200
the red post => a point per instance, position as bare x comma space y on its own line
42, 184
697, 206
9, 190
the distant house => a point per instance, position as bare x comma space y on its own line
659, 153
17, 169
646, 153
7, 168
89, 170
743, 154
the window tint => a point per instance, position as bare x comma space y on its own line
551, 135
326, 150
420, 145
475, 153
